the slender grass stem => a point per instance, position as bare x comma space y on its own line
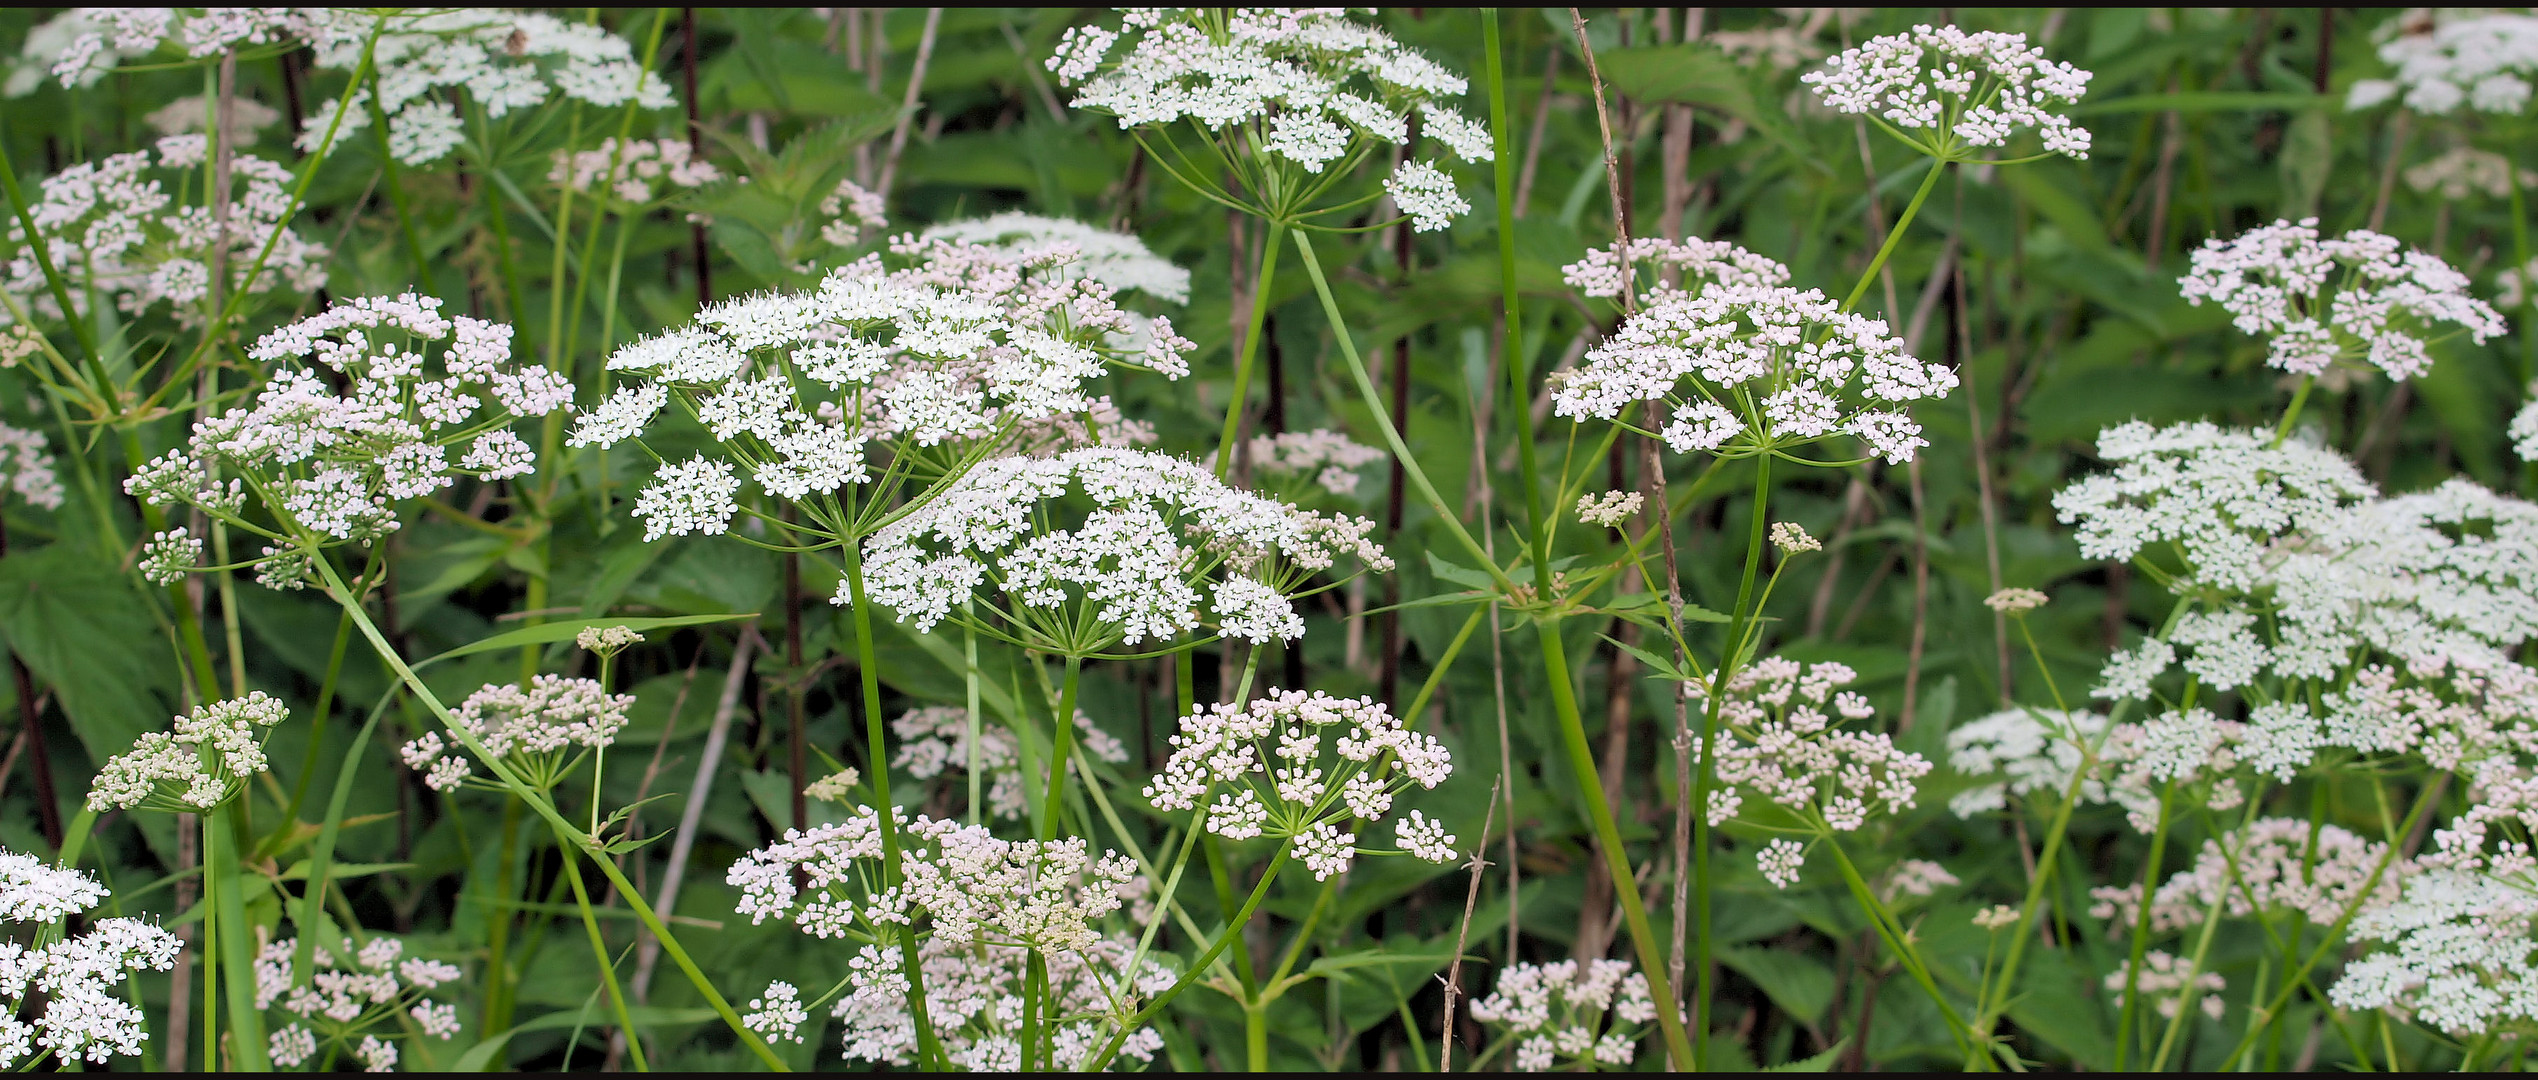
599, 951
1261, 297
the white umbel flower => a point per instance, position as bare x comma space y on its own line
1585, 1013
2440, 61
1123, 566
2357, 297
1751, 369
1944, 90
84, 1017
198, 765
539, 732
1294, 764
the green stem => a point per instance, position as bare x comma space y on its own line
599, 951
2141, 932
2291, 412
1064, 738
1898, 941
1893, 236
877, 755
1510, 297
498, 918
229, 908
503, 774
1206, 959
1260, 296
969, 680
321, 855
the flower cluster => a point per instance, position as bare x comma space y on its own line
1306, 89
636, 171
2464, 170
197, 766
1611, 508
84, 1017
498, 61
1557, 1013
2167, 981
974, 995
1660, 269
1769, 369
2030, 750
2218, 498
2457, 943
1119, 260
1320, 457
349, 991
1124, 574
852, 211
27, 463
972, 344
112, 230
966, 883
327, 463
1955, 89
2443, 60
1781, 745
2355, 297
79, 46
1270, 773
2273, 866
539, 732
935, 739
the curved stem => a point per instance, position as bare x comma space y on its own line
1233, 929
503, 774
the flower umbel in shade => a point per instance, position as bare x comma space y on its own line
2358, 297
1950, 93
85, 1014
113, 231
1122, 573
1661, 269
1782, 745
28, 466
935, 740
975, 998
542, 733
1293, 462
1748, 371
327, 465
352, 994
2442, 60
1293, 99
1300, 766
1587, 1015
2029, 750
201, 763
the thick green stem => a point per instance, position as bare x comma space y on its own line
599, 952
877, 755
1260, 297
2291, 413
2141, 932
498, 924
1898, 941
1064, 738
546, 809
236, 945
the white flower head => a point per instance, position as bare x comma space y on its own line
203, 760
2440, 61
1663, 269
1783, 741
1293, 764
2319, 302
1158, 531
934, 741
1745, 369
538, 732
1586, 1013
1945, 90
85, 1015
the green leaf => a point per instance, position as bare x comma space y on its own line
1819, 1063
546, 633
2308, 154
479, 1058
1663, 666
1460, 574
1800, 984
2193, 101
1699, 74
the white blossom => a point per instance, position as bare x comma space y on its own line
2319, 301
538, 732
1950, 89
2442, 60
1293, 764
1589, 1012
934, 740
1766, 367
206, 758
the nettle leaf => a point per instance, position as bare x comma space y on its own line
1800, 984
